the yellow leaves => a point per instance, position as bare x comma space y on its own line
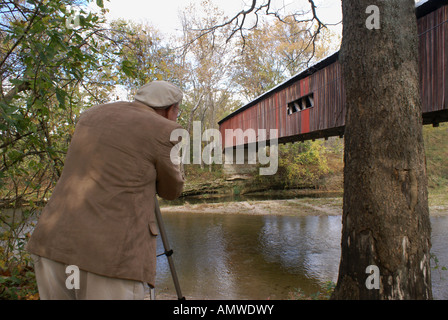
17, 282
2, 264
302, 163
32, 296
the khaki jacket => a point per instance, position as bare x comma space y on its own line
101, 214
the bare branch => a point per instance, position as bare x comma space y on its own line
240, 19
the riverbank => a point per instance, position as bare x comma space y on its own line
304, 206
211, 191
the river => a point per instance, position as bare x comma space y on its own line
241, 256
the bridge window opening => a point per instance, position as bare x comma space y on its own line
300, 104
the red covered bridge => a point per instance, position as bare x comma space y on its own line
311, 104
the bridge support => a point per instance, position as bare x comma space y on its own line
240, 162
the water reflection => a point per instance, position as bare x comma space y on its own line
260, 257
308, 245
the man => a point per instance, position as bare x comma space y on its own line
100, 218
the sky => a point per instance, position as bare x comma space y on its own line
164, 14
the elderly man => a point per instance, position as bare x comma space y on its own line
100, 219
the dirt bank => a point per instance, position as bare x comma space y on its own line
290, 207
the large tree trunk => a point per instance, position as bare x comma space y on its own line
385, 215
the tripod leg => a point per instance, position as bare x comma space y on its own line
152, 293
168, 251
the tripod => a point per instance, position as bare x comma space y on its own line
168, 252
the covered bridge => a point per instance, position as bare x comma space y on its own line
311, 104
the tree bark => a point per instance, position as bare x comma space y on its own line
385, 213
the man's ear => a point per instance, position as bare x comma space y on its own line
172, 111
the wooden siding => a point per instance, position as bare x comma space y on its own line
327, 116
433, 47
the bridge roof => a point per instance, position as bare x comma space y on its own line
422, 8
303, 74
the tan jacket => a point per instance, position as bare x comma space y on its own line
101, 214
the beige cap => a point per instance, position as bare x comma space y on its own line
159, 94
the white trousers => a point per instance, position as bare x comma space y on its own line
52, 281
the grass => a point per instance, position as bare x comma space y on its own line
323, 294
436, 147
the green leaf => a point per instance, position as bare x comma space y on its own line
128, 68
61, 95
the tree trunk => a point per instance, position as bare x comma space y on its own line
385, 213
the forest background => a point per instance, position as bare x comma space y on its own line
57, 59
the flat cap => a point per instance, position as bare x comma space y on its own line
159, 94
